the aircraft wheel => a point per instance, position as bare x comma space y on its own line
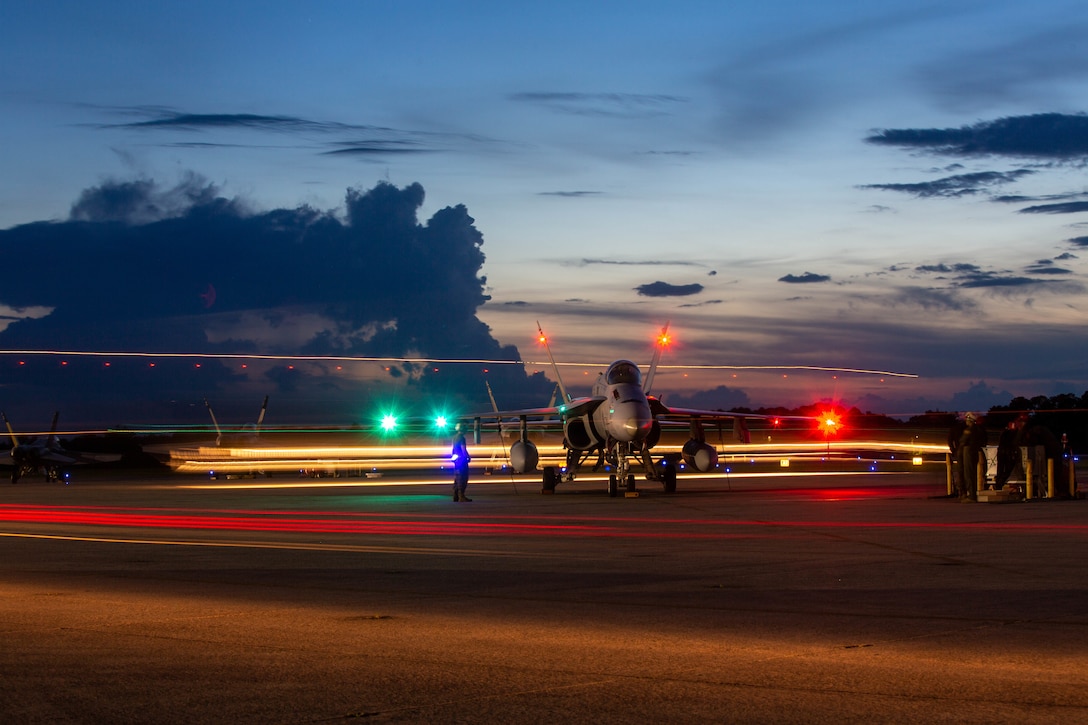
668, 477
613, 486
551, 478
631, 482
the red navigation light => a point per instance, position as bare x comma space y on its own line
664, 340
830, 423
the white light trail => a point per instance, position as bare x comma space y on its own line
431, 361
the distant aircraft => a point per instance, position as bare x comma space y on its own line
618, 422
47, 458
249, 435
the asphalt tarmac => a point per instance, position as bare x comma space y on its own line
787, 598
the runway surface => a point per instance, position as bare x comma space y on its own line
786, 598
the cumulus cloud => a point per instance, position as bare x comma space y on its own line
143, 201
142, 267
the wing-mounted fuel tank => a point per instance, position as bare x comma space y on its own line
524, 456
699, 455
580, 433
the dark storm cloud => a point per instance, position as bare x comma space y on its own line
720, 398
955, 186
1078, 241
140, 267
1069, 207
664, 289
143, 201
806, 278
1050, 136
613, 105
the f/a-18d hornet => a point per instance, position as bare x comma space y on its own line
45, 457
619, 423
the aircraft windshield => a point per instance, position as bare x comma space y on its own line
624, 372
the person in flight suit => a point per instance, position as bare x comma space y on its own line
461, 459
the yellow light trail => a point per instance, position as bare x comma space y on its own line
498, 480
431, 360
246, 461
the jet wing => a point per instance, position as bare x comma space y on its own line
73, 458
668, 411
573, 409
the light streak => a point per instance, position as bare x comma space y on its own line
440, 525
361, 460
431, 360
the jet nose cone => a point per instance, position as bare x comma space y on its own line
638, 424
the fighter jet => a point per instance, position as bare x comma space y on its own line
620, 423
47, 458
249, 435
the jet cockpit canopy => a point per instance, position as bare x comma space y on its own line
623, 371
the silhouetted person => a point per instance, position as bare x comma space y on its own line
461, 459
1008, 451
954, 435
971, 446
1041, 444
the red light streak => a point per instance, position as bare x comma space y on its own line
336, 522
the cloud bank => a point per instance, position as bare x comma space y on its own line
142, 267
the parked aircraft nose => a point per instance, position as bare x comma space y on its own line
637, 421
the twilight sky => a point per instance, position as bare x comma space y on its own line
896, 186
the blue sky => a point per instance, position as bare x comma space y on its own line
896, 187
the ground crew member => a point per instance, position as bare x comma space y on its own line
972, 445
461, 459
